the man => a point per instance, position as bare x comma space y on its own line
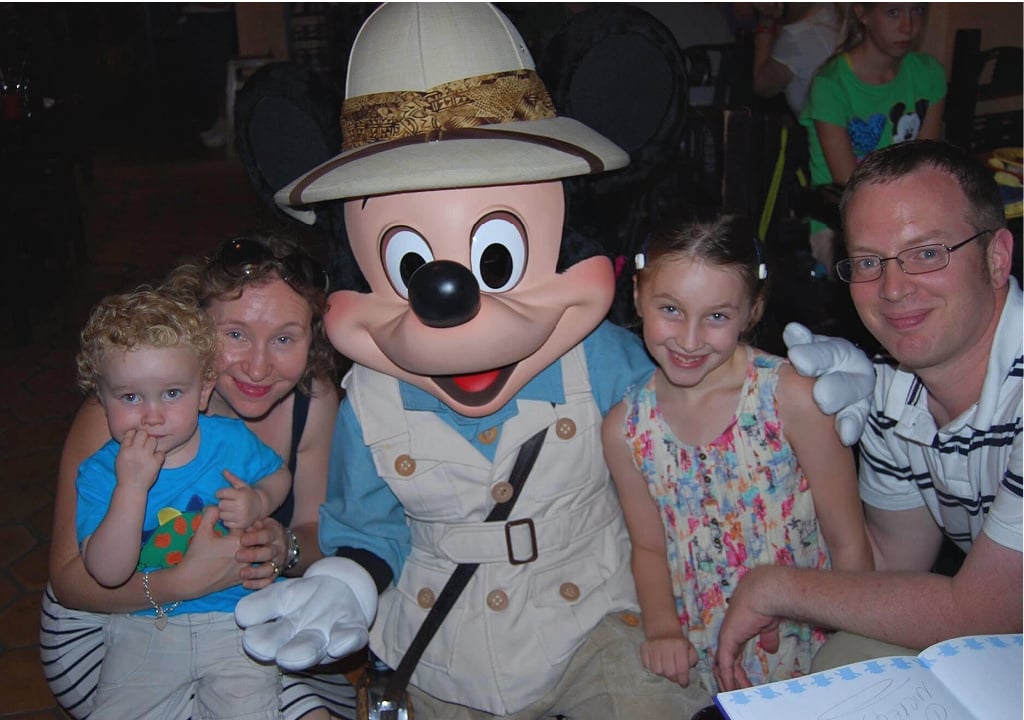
929, 273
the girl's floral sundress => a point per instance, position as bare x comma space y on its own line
738, 502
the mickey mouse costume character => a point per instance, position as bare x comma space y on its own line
475, 321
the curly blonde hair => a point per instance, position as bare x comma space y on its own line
145, 317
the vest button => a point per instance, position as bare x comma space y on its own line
487, 436
569, 591
405, 465
502, 492
565, 428
630, 619
425, 597
497, 600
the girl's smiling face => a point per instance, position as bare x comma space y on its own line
694, 314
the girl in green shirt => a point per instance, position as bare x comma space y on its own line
874, 92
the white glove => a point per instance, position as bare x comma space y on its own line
846, 377
324, 614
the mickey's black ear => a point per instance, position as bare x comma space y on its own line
896, 112
287, 121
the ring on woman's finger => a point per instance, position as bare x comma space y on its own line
277, 570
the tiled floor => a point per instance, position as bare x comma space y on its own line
141, 212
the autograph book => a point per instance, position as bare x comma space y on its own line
969, 678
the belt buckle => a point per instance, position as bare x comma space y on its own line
528, 522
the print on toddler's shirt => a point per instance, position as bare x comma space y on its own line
165, 545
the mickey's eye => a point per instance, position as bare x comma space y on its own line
498, 253
404, 251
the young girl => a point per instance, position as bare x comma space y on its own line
874, 92
705, 457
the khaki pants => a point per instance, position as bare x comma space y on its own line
150, 673
844, 648
604, 681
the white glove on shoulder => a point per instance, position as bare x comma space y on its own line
846, 377
325, 614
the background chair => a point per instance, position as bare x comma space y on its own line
984, 115
978, 76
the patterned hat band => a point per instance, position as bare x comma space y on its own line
467, 103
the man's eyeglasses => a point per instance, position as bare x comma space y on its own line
241, 257
912, 261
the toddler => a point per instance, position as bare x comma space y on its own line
148, 358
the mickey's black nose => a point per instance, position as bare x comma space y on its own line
444, 294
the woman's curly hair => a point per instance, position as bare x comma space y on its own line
144, 317
207, 279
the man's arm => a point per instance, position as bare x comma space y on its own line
914, 609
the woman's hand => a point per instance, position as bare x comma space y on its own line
210, 564
262, 554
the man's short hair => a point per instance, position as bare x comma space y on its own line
984, 201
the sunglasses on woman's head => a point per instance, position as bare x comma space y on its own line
242, 257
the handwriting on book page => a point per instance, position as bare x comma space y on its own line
907, 698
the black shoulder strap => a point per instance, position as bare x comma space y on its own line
300, 411
460, 578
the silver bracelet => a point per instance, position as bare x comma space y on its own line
291, 558
161, 610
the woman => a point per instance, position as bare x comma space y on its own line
277, 372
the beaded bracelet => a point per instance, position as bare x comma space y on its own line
161, 610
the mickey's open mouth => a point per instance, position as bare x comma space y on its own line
475, 389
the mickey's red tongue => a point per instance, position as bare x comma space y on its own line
477, 382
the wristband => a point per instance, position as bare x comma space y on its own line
291, 558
